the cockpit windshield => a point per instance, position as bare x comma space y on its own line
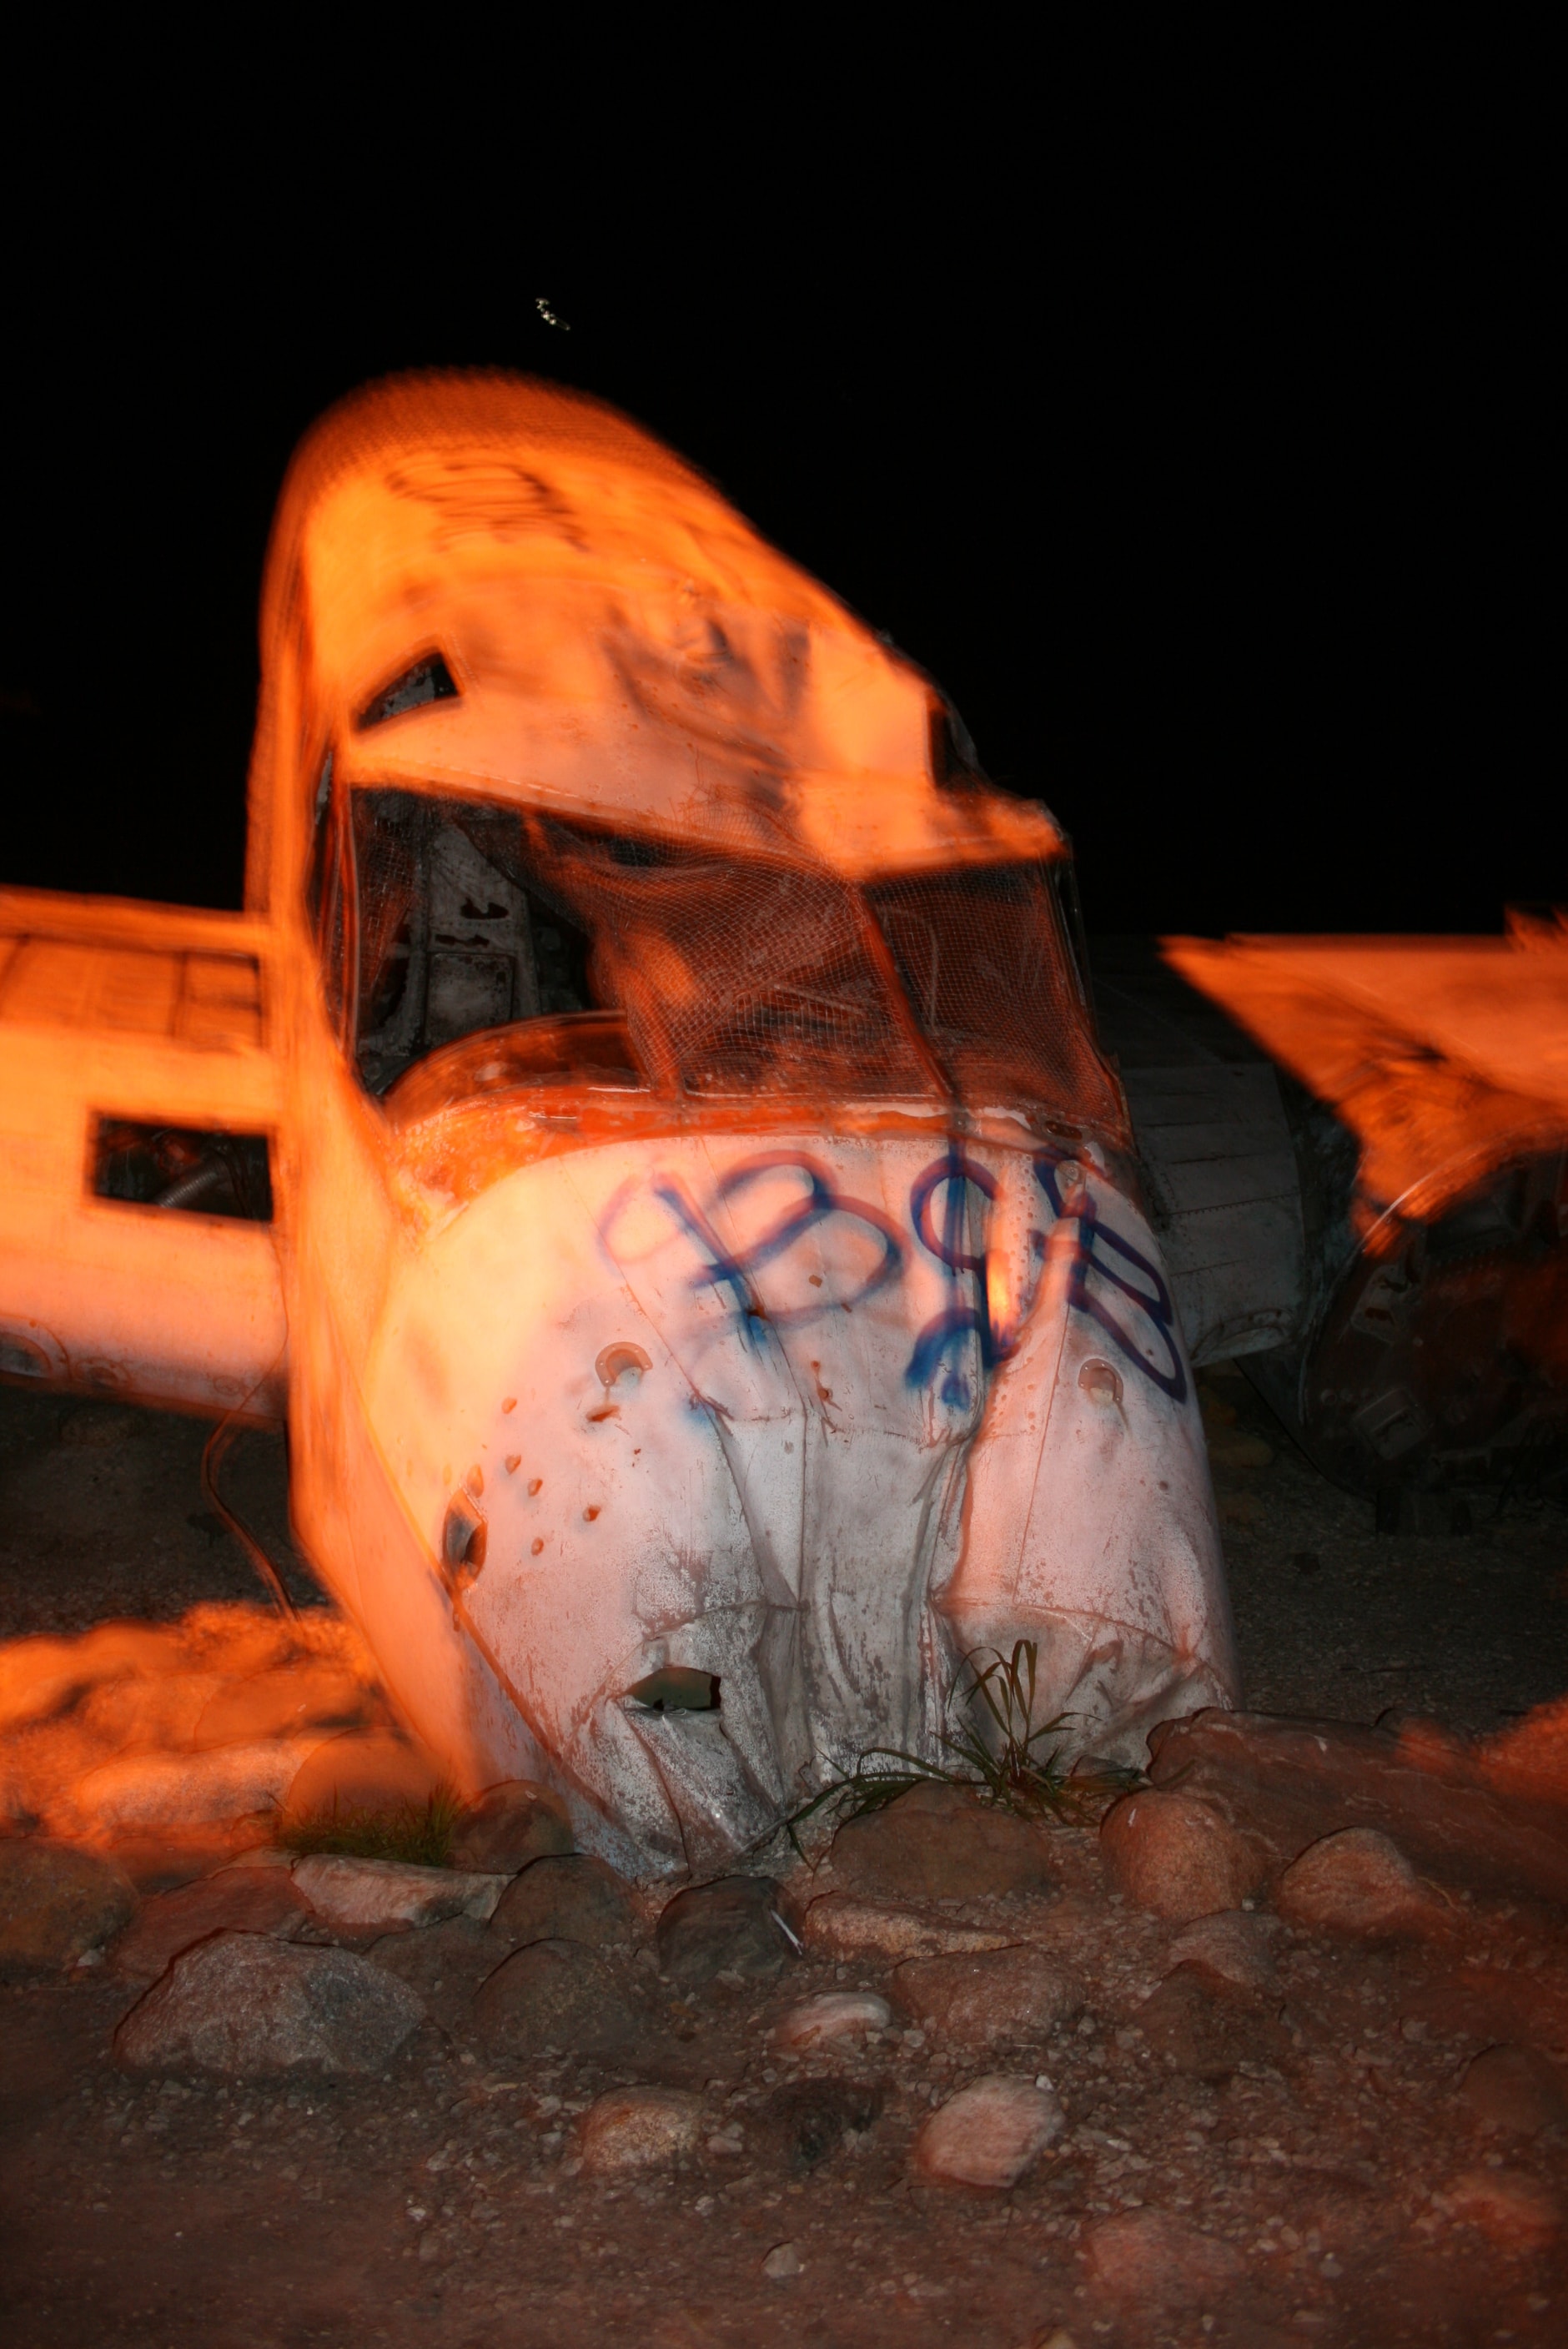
574, 956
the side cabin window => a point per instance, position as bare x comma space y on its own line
474, 947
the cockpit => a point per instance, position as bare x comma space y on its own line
474, 947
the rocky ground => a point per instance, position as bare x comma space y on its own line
1275, 2053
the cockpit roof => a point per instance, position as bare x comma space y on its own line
621, 647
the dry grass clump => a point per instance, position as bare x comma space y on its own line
993, 1754
419, 1834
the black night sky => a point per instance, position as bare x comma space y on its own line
1218, 519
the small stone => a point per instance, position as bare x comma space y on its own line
373, 1895
834, 2015
841, 1927
282, 1703
1230, 1950
362, 1770
812, 2118
1174, 1854
572, 1897
638, 2128
553, 1993
237, 1899
1197, 2035
938, 1843
731, 1927
152, 1790
1002, 1997
784, 2260
249, 2007
1516, 2092
990, 2133
1155, 2256
1510, 2209
511, 1826
1357, 1883
57, 1905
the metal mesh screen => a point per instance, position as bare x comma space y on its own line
984, 966
735, 976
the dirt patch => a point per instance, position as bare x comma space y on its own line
1313, 2143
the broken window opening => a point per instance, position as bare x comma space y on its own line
490, 947
428, 679
191, 1170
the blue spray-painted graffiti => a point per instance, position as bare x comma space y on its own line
946, 1337
949, 1342
1155, 1302
735, 1268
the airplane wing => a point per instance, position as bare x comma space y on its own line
1444, 1057
141, 1101
1431, 1349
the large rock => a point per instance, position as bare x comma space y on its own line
1176, 1854
840, 1927
236, 1899
158, 1790
249, 2007
1158, 2259
511, 1826
1510, 2209
554, 1993
362, 1770
990, 2133
569, 1899
994, 1999
163, 1858
1455, 1810
1203, 2036
57, 1905
1516, 2091
443, 1964
361, 1896
939, 1843
38, 1676
149, 1713
282, 1703
637, 2129
1358, 1884
731, 1927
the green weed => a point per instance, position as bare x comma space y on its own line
1006, 1767
420, 1833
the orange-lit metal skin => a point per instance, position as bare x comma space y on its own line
702, 1219
1433, 1341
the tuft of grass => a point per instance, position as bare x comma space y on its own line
419, 1833
1006, 1767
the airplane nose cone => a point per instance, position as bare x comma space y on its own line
699, 1412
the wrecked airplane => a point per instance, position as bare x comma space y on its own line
645, 1133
